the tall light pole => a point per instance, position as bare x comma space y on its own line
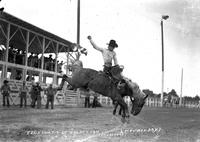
180, 102
78, 22
164, 17
78, 28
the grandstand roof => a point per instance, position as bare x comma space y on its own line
64, 45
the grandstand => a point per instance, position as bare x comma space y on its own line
19, 40
28, 52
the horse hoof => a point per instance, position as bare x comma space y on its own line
128, 121
114, 118
123, 120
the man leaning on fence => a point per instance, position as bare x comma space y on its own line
32, 93
5, 91
50, 92
23, 94
36, 95
87, 100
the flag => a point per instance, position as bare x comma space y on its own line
78, 48
83, 51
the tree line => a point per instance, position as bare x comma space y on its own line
172, 93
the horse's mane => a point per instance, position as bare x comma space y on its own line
131, 84
134, 87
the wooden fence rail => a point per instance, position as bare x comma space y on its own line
77, 98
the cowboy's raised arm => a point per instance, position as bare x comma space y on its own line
94, 44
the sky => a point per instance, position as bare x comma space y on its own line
135, 25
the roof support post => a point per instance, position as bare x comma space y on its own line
7, 50
56, 65
56, 58
26, 55
67, 68
42, 59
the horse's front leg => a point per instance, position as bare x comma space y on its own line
124, 107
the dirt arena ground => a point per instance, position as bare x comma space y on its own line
64, 124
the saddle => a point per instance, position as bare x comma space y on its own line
114, 74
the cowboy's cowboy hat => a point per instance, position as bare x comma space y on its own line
113, 43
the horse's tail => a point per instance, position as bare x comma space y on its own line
65, 76
63, 81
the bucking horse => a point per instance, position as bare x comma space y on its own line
100, 82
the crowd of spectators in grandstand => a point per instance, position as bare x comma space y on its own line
49, 62
17, 56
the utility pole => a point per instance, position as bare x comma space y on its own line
164, 17
180, 102
78, 29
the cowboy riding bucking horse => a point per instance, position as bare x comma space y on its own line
110, 83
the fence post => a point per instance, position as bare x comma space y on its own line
111, 102
100, 99
78, 97
106, 101
148, 102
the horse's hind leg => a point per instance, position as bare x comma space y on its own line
120, 111
115, 108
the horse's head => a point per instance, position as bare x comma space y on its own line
139, 97
138, 102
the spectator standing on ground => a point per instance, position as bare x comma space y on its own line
36, 95
5, 91
38, 90
95, 100
87, 100
50, 92
33, 95
23, 94
199, 104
